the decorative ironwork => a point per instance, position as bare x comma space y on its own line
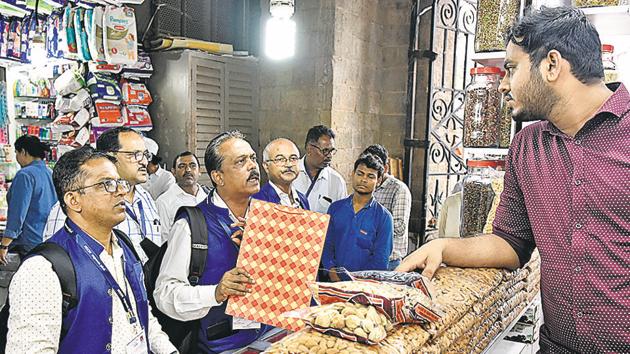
452, 38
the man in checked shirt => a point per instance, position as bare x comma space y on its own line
567, 186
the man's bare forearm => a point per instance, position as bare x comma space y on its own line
482, 251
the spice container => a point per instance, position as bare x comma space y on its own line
482, 108
478, 195
505, 125
593, 3
494, 18
610, 69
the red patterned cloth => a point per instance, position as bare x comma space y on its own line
281, 249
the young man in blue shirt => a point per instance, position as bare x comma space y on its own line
360, 232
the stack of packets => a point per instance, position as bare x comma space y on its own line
470, 307
74, 109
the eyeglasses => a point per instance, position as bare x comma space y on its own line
137, 155
281, 160
325, 152
110, 185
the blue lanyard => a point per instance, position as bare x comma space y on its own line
133, 216
124, 297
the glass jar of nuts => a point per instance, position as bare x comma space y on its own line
482, 108
478, 193
494, 18
608, 60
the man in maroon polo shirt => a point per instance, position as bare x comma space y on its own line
567, 186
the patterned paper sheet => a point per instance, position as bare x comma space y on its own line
281, 249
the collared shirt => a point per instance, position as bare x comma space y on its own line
29, 199
361, 241
173, 292
159, 182
329, 187
144, 210
570, 197
35, 317
173, 199
395, 196
285, 199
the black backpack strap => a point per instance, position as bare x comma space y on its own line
199, 242
63, 267
127, 241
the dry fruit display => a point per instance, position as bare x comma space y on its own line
401, 304
608, 60
494, 19
482, 108
478, 195
353, 322
414, 280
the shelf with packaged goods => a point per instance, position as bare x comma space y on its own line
610, 21
494, 344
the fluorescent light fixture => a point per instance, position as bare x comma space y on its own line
280, 38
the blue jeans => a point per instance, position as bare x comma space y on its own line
393, 264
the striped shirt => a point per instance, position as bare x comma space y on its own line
143, 220
395, 196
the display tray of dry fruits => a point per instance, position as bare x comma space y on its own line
389, 312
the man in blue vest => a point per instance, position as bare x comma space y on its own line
280, 161
232, 166
112, 313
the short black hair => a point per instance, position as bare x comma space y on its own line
212, 159
317, 132
182, 154
567, 30
32, 145
68, 175
370, 161
155, 160
109, 141
379, 151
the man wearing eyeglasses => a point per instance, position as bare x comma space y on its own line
142, 224
111, 313
185, 192
280, 161
319, 182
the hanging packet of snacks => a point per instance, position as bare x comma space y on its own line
137, 117
103, 86
15, 37
119, 35
353, 322
108, 114
95, 39
5, 25
414, 280
401, 304
135, 93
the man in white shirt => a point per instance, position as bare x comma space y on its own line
105, 318
319, 182
233, 169
280, 161
186, 192
160, 180
142, 224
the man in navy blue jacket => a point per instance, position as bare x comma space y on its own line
360, 232
280, 161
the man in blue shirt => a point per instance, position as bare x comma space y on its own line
30, 198
359, 235
280, 161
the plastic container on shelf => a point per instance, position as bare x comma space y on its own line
494, 18
478, 193
593, 3
482, 108
608, 59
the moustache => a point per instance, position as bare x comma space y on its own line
188, 175
289, 170
253, 175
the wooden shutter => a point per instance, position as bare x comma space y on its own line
242, 100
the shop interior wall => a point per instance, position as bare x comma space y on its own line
349, 72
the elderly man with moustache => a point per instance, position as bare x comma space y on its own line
232, 166
280, 161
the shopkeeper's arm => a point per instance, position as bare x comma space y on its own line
510, 245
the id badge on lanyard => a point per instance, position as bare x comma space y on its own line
138, 344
